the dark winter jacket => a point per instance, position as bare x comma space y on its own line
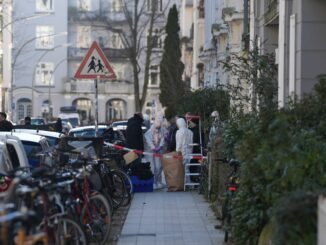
6, 126
171, 139
134, 133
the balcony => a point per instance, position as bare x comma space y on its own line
87, 86
102, 15
111, 53
76, 15
272, 12
219, 29
231, 14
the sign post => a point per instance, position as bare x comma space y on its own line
96, 105
95, 66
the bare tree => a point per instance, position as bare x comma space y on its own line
141, 18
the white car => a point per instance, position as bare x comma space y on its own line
87, 131
72, 118
52, 137
34, 146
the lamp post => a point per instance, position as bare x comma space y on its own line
50, 102
34, 71
13, 67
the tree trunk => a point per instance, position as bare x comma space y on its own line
148, 59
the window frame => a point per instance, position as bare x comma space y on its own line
43, 35
82, 9
51, 10
159, 8
41, 77
154, 71
86, 36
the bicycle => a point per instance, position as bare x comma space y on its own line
35, 192
232, 184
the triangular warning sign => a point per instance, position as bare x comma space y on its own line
94, 65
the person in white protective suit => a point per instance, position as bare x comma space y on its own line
184, 139
155, 143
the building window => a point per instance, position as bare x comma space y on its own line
115, 41
84, 5
44, 37
24, 107
154, 5
118, 70
44, 74
115, 109
154, 76
83, 36
116, 6
156, 41
44, 5
201, 9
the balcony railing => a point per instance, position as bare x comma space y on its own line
102, 15
87, 86
111, 53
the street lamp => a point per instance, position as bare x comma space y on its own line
13, 67
22, 18
50, 102
37, 62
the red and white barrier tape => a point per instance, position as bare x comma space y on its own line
159, 155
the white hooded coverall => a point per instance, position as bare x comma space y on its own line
184, 137
155, 139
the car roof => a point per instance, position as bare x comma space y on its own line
119, 122
25, 137
40, 132
87, 127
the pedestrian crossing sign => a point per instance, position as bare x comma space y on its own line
94, 65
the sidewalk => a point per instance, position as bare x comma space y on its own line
170, 218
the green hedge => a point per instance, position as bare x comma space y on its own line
280, 156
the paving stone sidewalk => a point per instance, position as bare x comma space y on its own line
170, 218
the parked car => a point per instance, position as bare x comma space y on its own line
52, 137
35, 146
108, 133
12, 156
72, 118
38, 121
16, 150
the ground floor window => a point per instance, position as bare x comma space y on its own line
115, 109
84, 109
24, 108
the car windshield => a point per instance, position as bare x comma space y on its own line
73, 121
87, 132
52, 140
37, 121
32, 150
116, 124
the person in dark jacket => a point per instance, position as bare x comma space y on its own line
4, 124
134, 133
28, 121
172, 133
58, 125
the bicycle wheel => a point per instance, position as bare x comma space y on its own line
116, 188
68, 231
96, 218
129, 187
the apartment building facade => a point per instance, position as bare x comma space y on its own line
296, 31
48, 46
